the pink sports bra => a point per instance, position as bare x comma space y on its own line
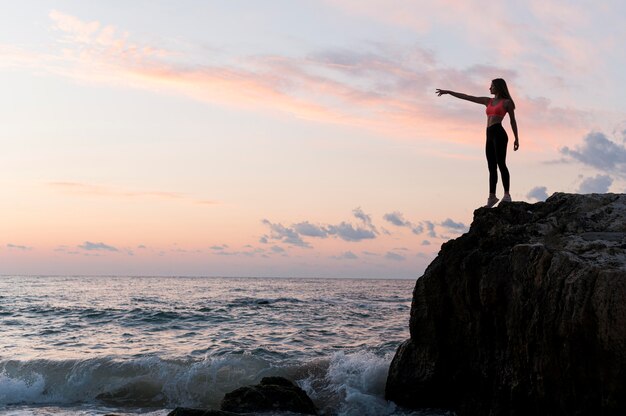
496, 110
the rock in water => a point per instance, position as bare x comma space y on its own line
186, 411
525, 314
272, 394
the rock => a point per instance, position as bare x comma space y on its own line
186, 411
139, 393
272, 394
525, 314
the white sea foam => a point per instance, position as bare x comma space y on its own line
16, 390
147, 381
353, 379
360, 379
344, 384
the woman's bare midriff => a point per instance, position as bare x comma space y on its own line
494, 120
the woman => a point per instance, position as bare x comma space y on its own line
497, 139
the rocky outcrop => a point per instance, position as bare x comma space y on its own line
272, 394
525, 314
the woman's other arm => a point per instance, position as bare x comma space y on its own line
511, 109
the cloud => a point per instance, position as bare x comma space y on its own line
66, 249
94, 39
221, 247
394, 256
252, 252
18, 247
397, 219
540, 193
599, 152
431, 229
558, 37
83, 189
344, 230
367, 220
286, 234
364, 229
417, 229
425, 243
307, 229
598, 184
348, 232
277, 249
75, 29
89, 246
374, 86
348, 255
620, 130
456, 226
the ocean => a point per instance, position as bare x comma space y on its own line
144, 345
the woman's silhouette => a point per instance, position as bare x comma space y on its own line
497, 138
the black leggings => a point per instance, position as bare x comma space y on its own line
495, 149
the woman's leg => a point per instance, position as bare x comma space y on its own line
492, 160
501, 141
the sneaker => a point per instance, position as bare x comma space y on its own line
506, 198
491, 201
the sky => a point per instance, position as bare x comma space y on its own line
289, 138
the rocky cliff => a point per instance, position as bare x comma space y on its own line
525, 314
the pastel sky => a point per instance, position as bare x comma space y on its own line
289, 138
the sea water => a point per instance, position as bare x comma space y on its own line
144, 345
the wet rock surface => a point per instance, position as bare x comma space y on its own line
524, 314
272, 394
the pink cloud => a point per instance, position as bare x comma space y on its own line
501, 33
14, 57
83, 189
387, 90
76, 29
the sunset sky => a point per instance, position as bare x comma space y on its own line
289, 138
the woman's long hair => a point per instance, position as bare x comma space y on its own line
503, 90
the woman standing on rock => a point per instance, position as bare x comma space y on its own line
497, 138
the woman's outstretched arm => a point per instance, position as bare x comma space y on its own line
477, 100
